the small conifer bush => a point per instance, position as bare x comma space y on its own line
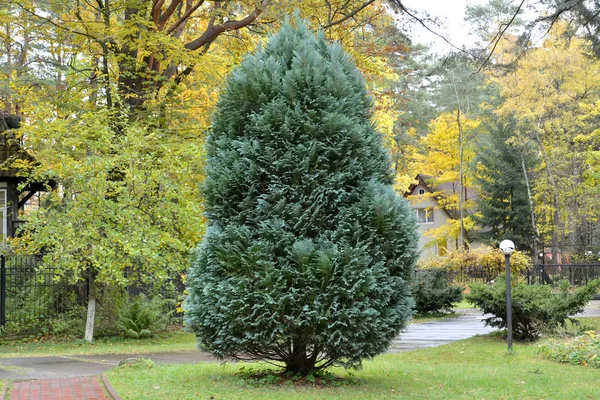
309, 252
536, 309
433, 293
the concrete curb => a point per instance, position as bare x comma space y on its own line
4, 389
109, 388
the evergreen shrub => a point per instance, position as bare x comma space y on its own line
535, 308
309, 252
433, 293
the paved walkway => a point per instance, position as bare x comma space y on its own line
76, 388
439, 332
53, 378
429, 334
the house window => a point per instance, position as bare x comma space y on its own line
421, 191
424, 215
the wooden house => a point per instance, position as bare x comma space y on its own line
15, 188
428, 202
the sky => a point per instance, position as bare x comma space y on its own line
449, 11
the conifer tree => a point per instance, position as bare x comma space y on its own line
308, 253
504, 204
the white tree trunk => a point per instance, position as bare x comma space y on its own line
91, 313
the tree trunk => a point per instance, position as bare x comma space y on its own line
300, 363
556, 217
461, 239
531, 209
91, 312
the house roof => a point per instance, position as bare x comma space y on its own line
439, 190
11, 151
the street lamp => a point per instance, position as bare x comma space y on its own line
508, 247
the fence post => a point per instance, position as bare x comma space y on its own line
2, 290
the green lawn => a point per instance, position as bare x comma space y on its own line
464, 304
474, 368
175, 341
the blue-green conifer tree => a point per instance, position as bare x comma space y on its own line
308, 254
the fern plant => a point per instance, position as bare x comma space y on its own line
143, 318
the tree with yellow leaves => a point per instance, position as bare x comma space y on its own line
116, 106
449, 149
553, 92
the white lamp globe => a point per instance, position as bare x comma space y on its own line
507, 247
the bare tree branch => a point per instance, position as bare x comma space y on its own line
411, 14
185, 16
212, 32
164, 17
496, 39
156, 7
350, 15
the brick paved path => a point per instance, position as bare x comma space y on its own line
79, 388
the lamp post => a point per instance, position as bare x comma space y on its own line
508, 247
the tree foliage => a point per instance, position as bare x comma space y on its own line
308, 253
115, 97
552, 91
503, 202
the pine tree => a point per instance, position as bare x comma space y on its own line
503, 203
308, 253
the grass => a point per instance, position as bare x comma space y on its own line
173, 341
475, 368
464, 304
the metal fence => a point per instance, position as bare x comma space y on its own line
28, 294
472, 274
575, 274
543, 274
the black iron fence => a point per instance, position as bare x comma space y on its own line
33, 296
472, 274
543, 274
28, 294
575, 274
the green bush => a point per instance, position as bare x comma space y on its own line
433, 293
581, 350
309, 252
535, 308
143, 318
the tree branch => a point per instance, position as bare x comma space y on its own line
212, 32
156, 7
164, 17
496, 39
350, 15
56, 25
185, 16
424, 25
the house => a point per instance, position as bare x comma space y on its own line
428, 200
15, 190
